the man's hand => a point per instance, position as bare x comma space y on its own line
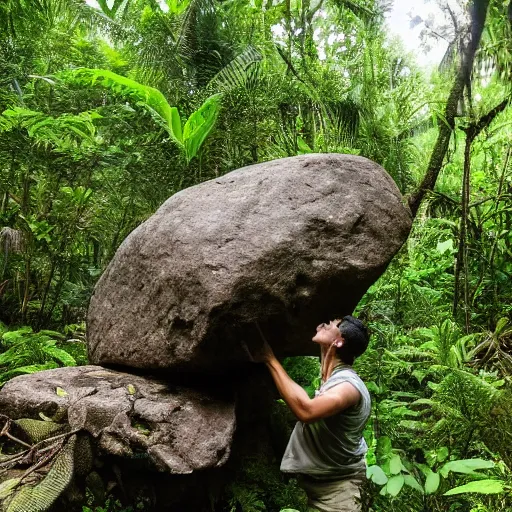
260, 354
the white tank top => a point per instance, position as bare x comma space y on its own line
332, 447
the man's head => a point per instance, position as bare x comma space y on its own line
349, 335
355, 339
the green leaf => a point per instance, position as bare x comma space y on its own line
12, 336
199, 125
433, 385
412, 482
419, 374
60, 391
432, 482
395, 464
303, 146
241, 71
373, 387
177, 6
375, 474
175, 125
442, 454
144, 94
395, 484
442, 247
480, 487
131, 389
117, 5
30, 368
53, 334
61, 355
465, 466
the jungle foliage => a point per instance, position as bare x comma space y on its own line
107, 109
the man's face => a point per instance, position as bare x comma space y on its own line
327, 334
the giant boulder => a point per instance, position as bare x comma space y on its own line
273, 248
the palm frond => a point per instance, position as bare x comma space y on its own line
241, 71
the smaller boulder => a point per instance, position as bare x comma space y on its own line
179, 430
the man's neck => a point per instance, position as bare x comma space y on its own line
329, 361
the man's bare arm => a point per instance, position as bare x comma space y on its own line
308, 409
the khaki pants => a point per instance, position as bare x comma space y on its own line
337, 496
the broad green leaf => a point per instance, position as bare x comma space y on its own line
412, 482
442, 247
432, 483
18, 112
480, 487
303, 146
61, 392
465, 466
395, 484
199, 125
417, 426
127, 87
175, 125
375, 474
395, 464
500, 325
131, 389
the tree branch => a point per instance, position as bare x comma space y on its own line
474, 129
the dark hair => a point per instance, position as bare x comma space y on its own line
356, 338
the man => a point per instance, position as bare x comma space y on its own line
327, 449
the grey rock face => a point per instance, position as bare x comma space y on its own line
280, 246
181, 430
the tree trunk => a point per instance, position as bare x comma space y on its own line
478, 16
472, 132
461, 260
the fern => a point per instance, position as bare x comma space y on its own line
63, 132
29, 352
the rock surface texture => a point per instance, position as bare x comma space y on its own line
276, 247
129, 416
